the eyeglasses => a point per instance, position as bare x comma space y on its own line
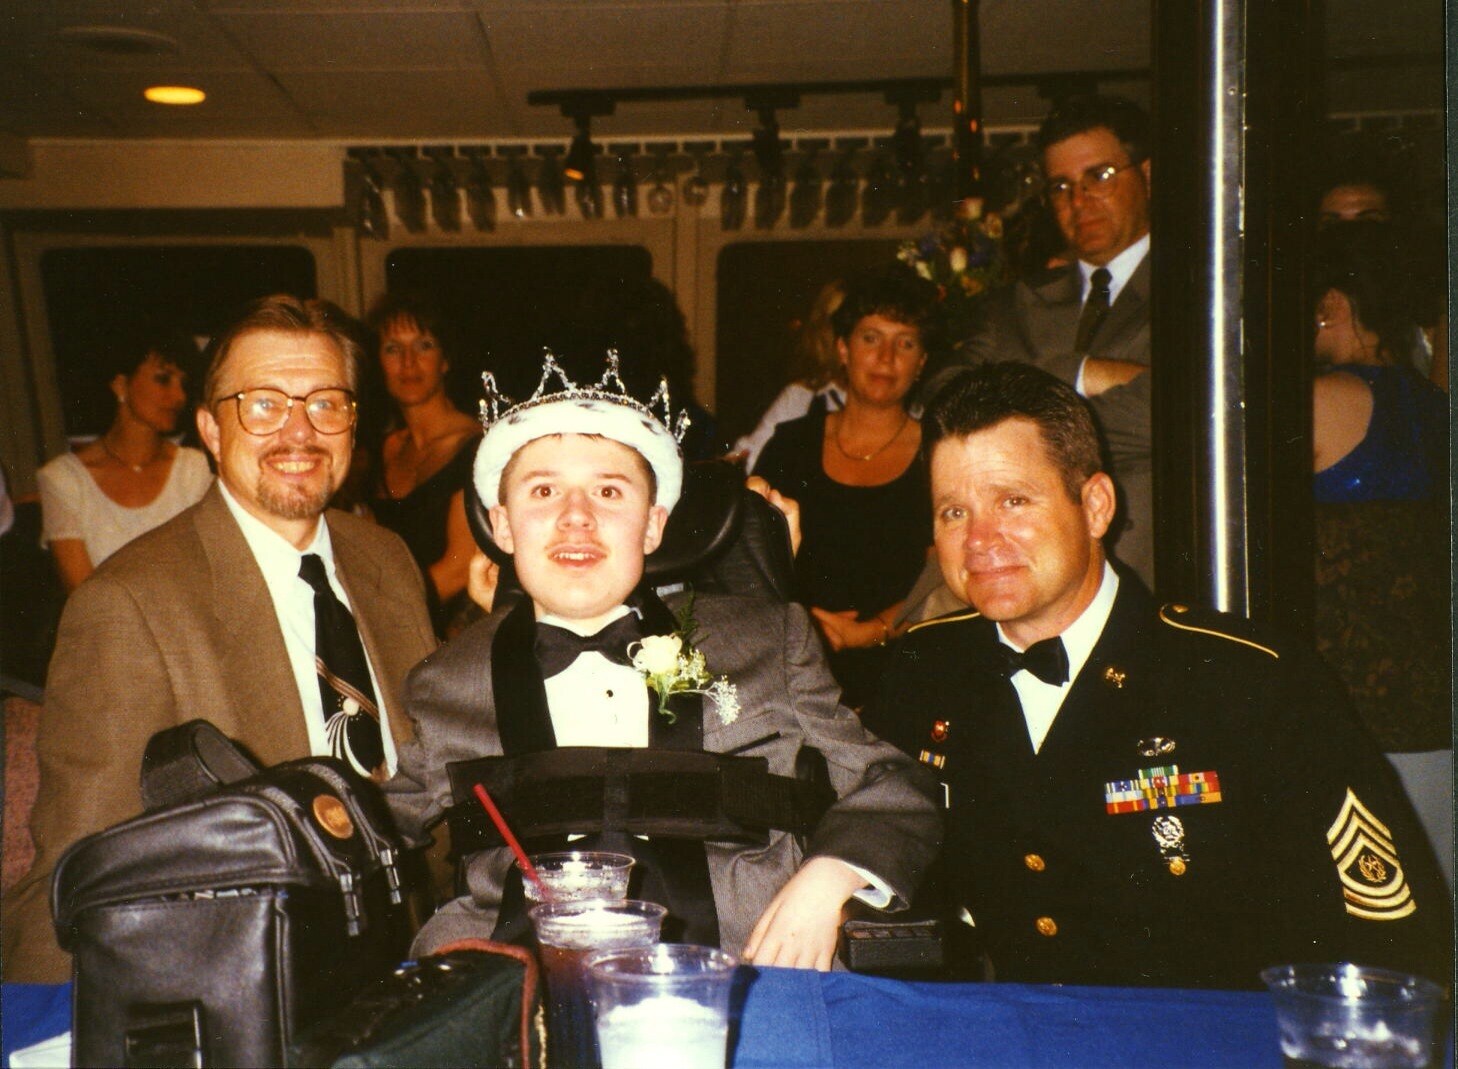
1095, 182
265, 410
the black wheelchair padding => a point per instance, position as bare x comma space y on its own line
670, 794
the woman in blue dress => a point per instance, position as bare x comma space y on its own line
1380, 433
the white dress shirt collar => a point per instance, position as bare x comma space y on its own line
1041, 701
276, 555
1121, 268
293, 606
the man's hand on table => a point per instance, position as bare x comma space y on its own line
799, 928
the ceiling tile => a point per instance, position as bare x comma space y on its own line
368, 41
1101, 35
869, 35
333, 7
201, 44
551, 47
418, 104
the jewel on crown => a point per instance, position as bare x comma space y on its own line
496, 405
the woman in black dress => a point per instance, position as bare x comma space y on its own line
425, 461
858, 475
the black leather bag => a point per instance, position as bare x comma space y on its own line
211, 931
472, 1003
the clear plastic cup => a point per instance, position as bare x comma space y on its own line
1346, 1016
574, 875
567, 934
664, 1005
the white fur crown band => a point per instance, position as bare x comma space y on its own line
604, 409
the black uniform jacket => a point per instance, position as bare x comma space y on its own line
1289, 838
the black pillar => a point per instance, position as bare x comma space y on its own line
966, 99
1237, 112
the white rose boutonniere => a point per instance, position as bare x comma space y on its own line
670, 665
657, 654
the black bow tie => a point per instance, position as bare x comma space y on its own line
558, 647
1047, 660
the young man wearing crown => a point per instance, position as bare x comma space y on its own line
583, 482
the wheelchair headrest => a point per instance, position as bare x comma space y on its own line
700, 527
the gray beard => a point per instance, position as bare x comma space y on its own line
292, 503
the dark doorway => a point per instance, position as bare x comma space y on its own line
765, 289
93, 294
507, 303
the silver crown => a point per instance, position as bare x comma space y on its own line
496, 405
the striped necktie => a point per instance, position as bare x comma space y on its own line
351, 714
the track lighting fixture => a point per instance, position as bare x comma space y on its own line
881, 192
518, 189
445, 199
660, 197
580, 165
408, 191
625, 184
480, 194
696, 186
910, 152
732, 196
370, 214
551, 187
589, 198
806, 196
840, 198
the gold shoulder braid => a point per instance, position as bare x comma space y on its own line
1179, 617
950, 618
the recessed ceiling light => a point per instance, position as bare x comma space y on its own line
174, 94
119, 40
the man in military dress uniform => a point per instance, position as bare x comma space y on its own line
1136, 794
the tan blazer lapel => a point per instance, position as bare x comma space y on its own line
263, 694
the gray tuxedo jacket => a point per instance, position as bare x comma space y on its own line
178, 625
1037, 324
885, 820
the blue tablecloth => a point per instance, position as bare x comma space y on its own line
799, 1020
793, 1019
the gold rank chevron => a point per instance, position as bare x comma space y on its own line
1373, 883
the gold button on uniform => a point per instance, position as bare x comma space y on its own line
1034, 862
1046, 926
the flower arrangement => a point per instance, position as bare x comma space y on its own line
965, 259
671, 665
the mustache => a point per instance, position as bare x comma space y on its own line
295, 451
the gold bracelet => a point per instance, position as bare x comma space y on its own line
885, 631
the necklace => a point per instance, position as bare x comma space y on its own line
874, 453
137, 468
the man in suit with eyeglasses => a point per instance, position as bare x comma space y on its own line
1087, 321
288, 626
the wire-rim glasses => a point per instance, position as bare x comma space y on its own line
265, 410
1094, 182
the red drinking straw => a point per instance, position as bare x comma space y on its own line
521, 858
